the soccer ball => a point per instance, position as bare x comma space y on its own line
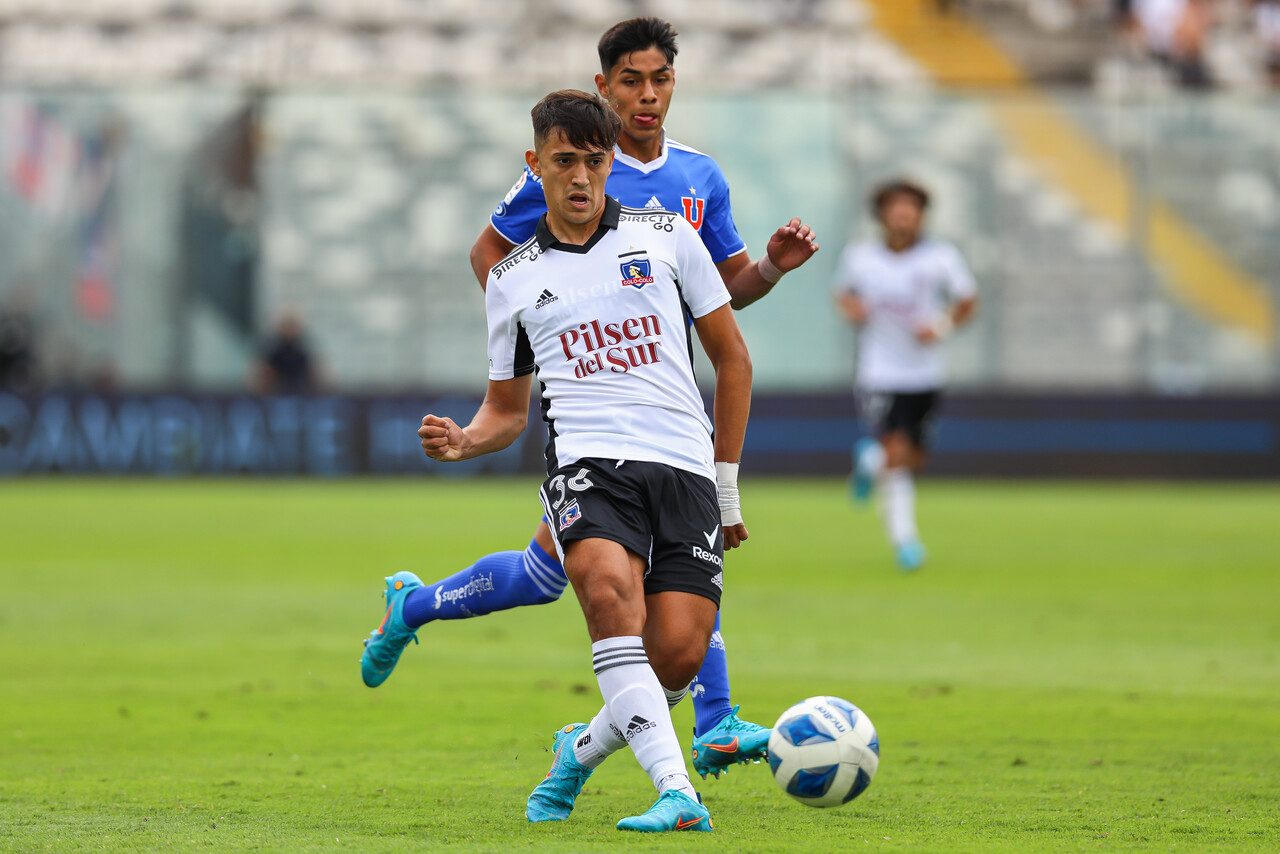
824, 751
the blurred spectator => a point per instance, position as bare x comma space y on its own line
17, 353
1266, 19
1123, 15
1175, 32
287, 365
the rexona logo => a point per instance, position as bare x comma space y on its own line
479, 584
638, 725
709, 557
616, 347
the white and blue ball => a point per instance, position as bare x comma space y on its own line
824, 751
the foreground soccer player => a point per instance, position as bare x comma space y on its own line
643, 500
905, 295
653, 172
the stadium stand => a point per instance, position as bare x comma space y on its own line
408, 42
392, 126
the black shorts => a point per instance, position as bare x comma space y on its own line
668, 516
909, 412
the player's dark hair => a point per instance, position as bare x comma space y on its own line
627, 37
587, 122
898, 187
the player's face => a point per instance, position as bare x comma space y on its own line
902, 217
573, 179
639, 89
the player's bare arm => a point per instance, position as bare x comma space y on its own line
957, 315
853, 308
489, 248
747, 280
499, 420
723, 343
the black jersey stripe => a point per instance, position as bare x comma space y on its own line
549, 452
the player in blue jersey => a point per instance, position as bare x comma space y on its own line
649, 170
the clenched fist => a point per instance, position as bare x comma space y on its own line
441, 438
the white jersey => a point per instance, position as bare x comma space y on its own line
606, 326
902, 291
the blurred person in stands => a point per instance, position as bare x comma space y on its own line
287, 365
1266, 21
17, 348
1175, 33
904, 294
1123, 18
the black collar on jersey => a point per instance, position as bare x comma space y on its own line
608, 220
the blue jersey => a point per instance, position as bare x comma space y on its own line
681, 180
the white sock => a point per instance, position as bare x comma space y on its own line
638, 705
674, 697
601, 740
900, 506
871, 461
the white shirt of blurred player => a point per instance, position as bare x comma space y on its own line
606, 326
902, 292
1266, 18
1159, 21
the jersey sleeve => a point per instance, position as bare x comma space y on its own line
700, 284
847, 280
719, 232
960, 283
510, 355
516, 216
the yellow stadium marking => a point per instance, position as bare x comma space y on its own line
958, 53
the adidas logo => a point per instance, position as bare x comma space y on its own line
653, 203
637, 726
584, 741
546, 298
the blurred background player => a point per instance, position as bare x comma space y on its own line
649, 171
904, 295
637, 480
18, 359
287, 365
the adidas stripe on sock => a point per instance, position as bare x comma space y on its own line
638, 705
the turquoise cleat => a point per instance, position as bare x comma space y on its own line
729, 742
552, 799
383, 647
911, 556
673, 811
861, 482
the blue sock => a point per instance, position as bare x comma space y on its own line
496, 582
710, 688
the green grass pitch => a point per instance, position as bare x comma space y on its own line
1081, 667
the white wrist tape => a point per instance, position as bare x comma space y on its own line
943, 326
768, 270
727, 492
